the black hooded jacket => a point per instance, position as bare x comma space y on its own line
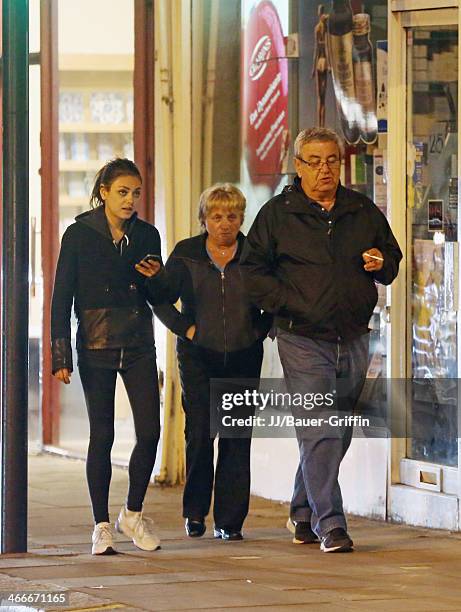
305, 265
215, 302
109, 295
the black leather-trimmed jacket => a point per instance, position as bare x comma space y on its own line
216, 302
109, 295
305, 266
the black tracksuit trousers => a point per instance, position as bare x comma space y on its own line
232, 478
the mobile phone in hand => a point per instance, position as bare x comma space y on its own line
151, 257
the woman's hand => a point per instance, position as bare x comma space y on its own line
63, 375
190, 333
148, 268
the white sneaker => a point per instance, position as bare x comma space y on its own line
139, 528
103, 543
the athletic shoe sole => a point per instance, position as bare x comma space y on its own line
219, 536
108, 551
341, 548
295, 541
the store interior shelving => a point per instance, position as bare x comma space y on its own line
95, 123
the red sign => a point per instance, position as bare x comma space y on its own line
264, 96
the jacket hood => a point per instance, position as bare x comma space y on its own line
96, 219
297, 187
296, 199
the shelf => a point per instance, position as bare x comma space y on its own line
66, 200
83, 138
76, 165
96, 61
436, 81
96, 128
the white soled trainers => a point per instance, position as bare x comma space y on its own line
102, 539
139, 528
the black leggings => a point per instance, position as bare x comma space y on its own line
140, 379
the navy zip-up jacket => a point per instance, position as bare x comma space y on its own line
217, 303
305, 265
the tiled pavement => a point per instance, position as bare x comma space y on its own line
393, 568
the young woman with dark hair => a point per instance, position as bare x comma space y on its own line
102, 270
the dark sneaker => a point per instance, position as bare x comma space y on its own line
337, 540
195, 529
227, 534
302, 531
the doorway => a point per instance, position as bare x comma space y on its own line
99, 104
424, 175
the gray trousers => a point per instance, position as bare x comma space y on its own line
317, 495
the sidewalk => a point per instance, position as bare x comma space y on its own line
394, 567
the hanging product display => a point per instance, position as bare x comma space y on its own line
340, 42
363, 78
351, 59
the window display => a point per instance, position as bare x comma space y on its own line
432, 201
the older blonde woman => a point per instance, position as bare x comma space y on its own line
219, 336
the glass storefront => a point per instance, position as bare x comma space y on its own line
95, 125
391, 85
332, 73
432, 232
329, 66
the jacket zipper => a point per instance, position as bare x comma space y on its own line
224, 317
121, 350
330, 228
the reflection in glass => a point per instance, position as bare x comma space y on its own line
95, 124
432, 200
340, 41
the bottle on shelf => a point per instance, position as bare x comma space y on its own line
363, 78
75, 186
79, 149
105, 147
340, 42
128, 150
63, 149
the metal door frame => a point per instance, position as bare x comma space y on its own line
424, 506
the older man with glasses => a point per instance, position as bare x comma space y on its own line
312, 258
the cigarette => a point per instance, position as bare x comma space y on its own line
374, 256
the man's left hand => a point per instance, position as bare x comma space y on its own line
373, 259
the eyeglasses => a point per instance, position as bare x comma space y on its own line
332, 164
